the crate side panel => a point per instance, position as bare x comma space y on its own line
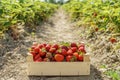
58, 68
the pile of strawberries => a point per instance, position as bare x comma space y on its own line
57, 53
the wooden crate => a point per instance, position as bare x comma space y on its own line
58, 68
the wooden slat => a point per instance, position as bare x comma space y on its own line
58, 68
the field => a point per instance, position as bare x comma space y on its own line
96, 23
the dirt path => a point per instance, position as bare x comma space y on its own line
13, 63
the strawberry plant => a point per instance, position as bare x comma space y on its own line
29, 12
103, 14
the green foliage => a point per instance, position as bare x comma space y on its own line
101, 13
29, 12
113, 74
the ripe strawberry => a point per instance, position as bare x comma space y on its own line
48, 46
42, 52
113, 40
40, 46
33, 53
68, 58
64, 47
96, 29
36, 49
76, 55
37, 57
82, 49
38, 60
46, 59
64, 52
59, 51
33, 47
56, 46
80, 57
69, 52
82, 45
59, 57
44, 44
52, 50
74, 49
74, 45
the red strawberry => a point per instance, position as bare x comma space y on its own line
80, 57
33, 47
68, 58
37, 57
36, 49
59, 51
113, 40
38, 60
59, 57
74, 49
64, 52
48, 46
33, 53
82, 49
56, 46
52, 50
74, 45
64, 47
40, 46
96, 29
42, 52
69, 52
46, 59
44, 44
82, 45
76, 55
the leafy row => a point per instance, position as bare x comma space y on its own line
103, 14
29, 12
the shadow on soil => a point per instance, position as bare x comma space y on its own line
94, 75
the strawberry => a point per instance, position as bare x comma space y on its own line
64, 47
74, 45
44, 44
46, 59
36, 49
69, 52
74, 49
37, 56
64, 52
56, 46
113, 40
59, 51
33, 53
33, 47
82, 45
68, 58
40, 46
80, 57
42, 52
48, 46
76, 55
82, 49
96, 29
59, 57
52, 50
38, 60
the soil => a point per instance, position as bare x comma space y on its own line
57, 29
